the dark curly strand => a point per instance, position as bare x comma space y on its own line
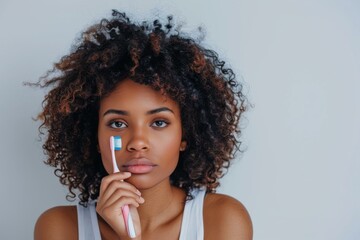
210, 100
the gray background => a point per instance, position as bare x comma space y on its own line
299, 177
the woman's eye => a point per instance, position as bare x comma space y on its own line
117, 124
160, 124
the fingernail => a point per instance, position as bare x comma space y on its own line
138, 192
141, 200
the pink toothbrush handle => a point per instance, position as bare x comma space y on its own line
128, 221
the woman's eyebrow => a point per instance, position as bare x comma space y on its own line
116, 111
157, 110
126, 113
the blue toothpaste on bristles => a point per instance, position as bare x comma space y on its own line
117, 143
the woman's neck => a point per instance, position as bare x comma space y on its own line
163, 203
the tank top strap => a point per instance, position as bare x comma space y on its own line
192, 226
88, 226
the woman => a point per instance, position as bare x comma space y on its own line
175, 107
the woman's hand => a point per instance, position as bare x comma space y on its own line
114, 194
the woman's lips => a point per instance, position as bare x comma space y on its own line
139, 166
139, 169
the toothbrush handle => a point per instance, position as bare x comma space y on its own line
128, 221
129, 224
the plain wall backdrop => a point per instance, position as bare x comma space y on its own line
300, 62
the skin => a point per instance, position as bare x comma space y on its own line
149, 124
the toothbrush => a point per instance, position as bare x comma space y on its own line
115, 145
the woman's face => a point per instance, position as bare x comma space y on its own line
149, 125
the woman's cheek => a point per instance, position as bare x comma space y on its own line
107, 164
106, 159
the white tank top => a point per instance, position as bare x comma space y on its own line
192, 225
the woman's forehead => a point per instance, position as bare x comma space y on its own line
129, 95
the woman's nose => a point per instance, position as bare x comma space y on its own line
138, 142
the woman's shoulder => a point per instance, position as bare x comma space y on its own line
57, 223
226, 218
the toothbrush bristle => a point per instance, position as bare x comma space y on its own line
117, 143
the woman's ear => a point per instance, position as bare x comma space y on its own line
183, 145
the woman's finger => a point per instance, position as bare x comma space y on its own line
119, 194
120, 176
115, 186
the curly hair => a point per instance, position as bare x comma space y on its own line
210, 100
